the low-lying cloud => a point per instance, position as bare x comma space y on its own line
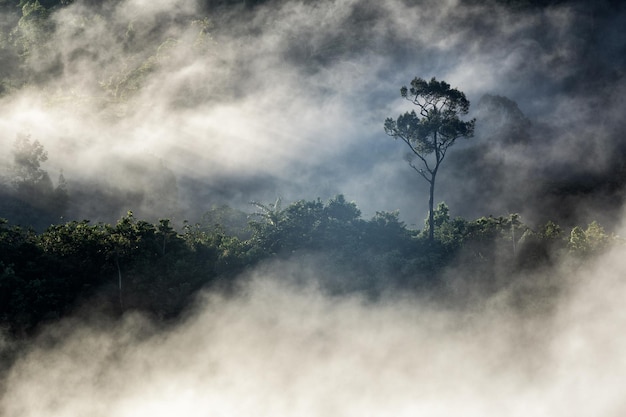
281, 346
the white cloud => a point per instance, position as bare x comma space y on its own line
281, 348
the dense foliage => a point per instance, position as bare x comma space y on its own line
137, 265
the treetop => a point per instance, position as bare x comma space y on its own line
437, 94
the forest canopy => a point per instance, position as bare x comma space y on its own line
137, 265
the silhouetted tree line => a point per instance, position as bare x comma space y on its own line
154, 268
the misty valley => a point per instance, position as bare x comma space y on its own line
306, 208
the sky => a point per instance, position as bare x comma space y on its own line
193, 105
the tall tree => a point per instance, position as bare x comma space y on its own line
432, 130
28, 156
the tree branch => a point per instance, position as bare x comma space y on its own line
417, 153
421, 172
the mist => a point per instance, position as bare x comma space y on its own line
169, 107
283, 346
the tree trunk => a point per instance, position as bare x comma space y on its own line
431, 211
431, 197
119, 275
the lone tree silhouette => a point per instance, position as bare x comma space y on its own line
432, 130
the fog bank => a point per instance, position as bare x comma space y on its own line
281, 347
167, 108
